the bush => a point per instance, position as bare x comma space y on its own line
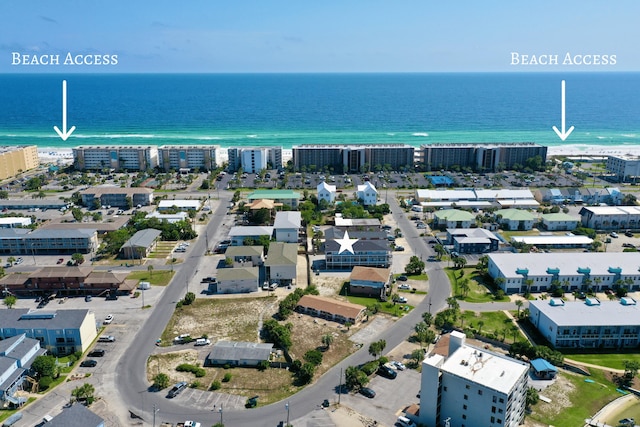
195, 384
196, 370
45, 383
295, 366
383, 360
215, 385
314, 357
263, 365
370, 367
227, 377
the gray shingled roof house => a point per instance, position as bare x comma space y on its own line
236, 353
76, 416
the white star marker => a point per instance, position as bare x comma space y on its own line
346, 244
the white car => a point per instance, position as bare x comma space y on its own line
398, 365
404, 286
108, 319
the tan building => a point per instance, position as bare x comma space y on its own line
15, 160
330, 309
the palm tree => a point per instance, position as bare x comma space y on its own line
480, 325
464, 287
514, 330
453, 303
528, 283
327, 340
150, 270
519, 304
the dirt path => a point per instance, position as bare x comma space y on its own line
261, 317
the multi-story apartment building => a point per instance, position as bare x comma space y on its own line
353, 158
610, 217
125, 198
23, 241
176, 157
254, 159
472, 387
480, 157
133, 158
539, 271
372, 253
61, 332
587, 324
15, 160
626, 168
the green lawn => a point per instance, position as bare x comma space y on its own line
156, 278
384, 307
609, 360
494, 323
477, 293
586, 398
418, 277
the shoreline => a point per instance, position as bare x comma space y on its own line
65, 155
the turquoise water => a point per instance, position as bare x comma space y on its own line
291, 109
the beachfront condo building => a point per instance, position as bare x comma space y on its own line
482, 157
131, 158
254, 159
587, 324
472, 387
352, 158
15, 160
626, 168
538, 272
188, 157
610, 217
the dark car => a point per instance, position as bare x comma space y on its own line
402, 278
367, 392
89, 363
97, 353
385, 371
176, 389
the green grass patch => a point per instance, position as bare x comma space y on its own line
383, 306
478, 291
609, 360
156, 278
586, 399
418, 277
495, 325
6, 413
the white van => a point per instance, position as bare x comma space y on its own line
202, 341
405, 422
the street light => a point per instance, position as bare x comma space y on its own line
286, 405
155, 410
220, 410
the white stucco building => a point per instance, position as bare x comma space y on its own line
367, 193
287, 226
326, 192
472, 387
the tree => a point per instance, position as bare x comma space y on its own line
10, 301
355, 378
453, 303
532, 397
161, 381
514, 331
189, 298
11, 260
630, 371
45, 366
417, 355
377, 347
464, 286
314, 357
415, 266
84, 392
78, 258
440, 250
427, 318
150, 270
480, 325
327, 340
519, 304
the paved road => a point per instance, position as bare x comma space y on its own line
131, 371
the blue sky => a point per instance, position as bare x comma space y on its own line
312, 36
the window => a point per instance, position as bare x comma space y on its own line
495, 399
444, 388
493, 409
480, 392
466, 397
493, 420
501, 400
464, 407
467, 386
464, 417
499, 421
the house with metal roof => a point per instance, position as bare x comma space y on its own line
171, 218
16, 355
286, 197
330, 309
360, 223
140, 244
282, 262
237, 353
453, 218
236, 280
369, 281
77, 415
563, 241
543, 369
287, 226
239, 234
60, 332
180, 205
472, 240
587, 324
559, 222
516, 219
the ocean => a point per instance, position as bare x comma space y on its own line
291, 109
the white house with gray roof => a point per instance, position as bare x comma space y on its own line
472, 387
236, 280
60, 332
282, 262
140, 244
596, 270
587, 324
239, 234
236, 353
287, 226
16, 355
326, 192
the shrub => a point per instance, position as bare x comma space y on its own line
195, 384
263, 365
227, 377
383, 360
215, 385
295, 366
370, 367
196, 370
45, 383
314, 357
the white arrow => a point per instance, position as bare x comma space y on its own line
64, 134
564, 134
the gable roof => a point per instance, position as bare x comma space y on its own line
274, 194
366, 186
324, 186
239, 350
288, 219
371, 274
515, 215
22, 318
250, 230
330, 305
262, 204
143, 238
240, 273
76, 416
61, 272
282, 254
454, 215
233, 251
106, 277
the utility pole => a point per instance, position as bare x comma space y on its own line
155, 410
340, 386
